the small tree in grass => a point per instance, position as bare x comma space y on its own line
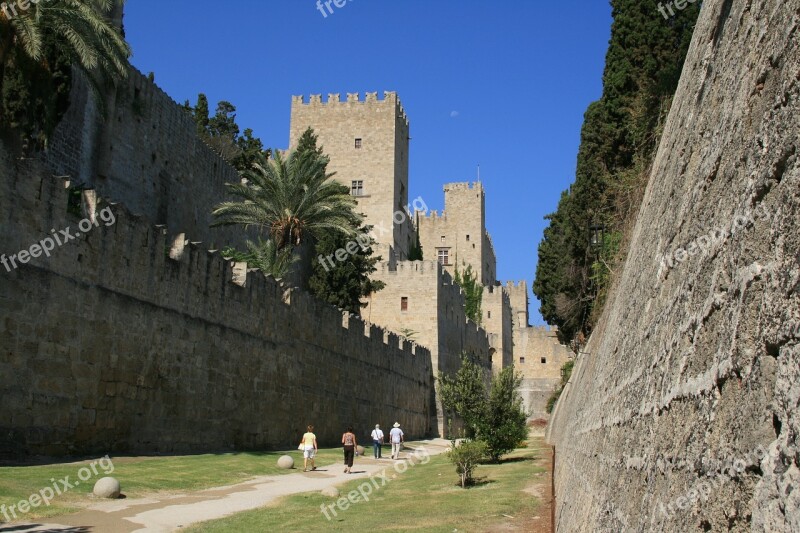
465, 394
495, 417
503, 425
466, 458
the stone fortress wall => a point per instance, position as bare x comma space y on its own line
683, 412
538, 353
367, 141
421, 300
147, 156
120, 342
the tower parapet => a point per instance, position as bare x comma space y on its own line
390, 98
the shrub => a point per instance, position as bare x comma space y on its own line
466, 458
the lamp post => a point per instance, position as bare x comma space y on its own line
596, 236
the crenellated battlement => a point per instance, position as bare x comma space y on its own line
425, 267
179, 309
132, 240
390, 98
463, 186
517, 284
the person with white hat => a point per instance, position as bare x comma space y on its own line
377, 441
396, 436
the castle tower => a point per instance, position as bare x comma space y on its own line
368, 143
518, 295
458, 237
498, 321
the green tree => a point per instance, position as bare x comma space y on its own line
494, 416
38, 45
308, 143
291, 198
503, 426
221, 133
249, 149
466, 457
473, 293
344, 284
618, 141
465, 394
200, 115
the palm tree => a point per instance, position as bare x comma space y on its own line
265, 256
80, 29
292, 198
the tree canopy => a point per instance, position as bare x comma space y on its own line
618, 141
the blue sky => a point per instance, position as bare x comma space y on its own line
502, 83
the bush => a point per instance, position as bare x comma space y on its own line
466, 458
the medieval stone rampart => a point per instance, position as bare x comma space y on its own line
120, 341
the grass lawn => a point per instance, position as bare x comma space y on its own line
425, 498
140, 476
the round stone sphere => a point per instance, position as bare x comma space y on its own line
331, 492
107, 487
285, 462
360, 450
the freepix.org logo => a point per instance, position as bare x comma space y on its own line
324, 6
60, 238
12, 9
59, 487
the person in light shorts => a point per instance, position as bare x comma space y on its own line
309, 444
397, 438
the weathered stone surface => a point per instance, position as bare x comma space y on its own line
286, 462
107, 487
683, 414
113, 345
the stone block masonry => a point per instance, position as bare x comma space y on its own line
110, 345
696, 367
147, 156
368, 144
421, 296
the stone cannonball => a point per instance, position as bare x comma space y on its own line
360, 450
285, 462
107, 487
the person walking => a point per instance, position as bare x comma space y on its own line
349, 443
377, 441
396, 436
309, 445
